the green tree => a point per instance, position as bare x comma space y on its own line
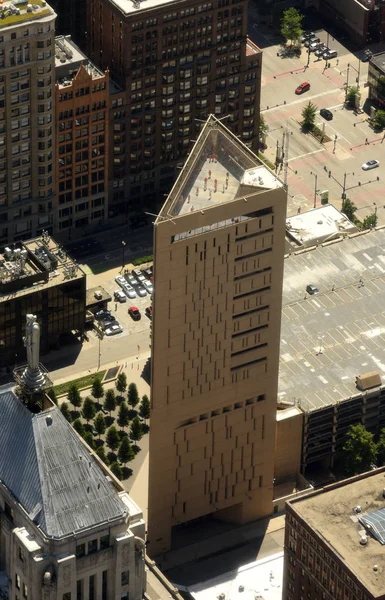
263, 127
291, 25
381, 448
123, 418
65, 411
349, 208
360, 450
144, 408
308, 116
79, 427
100, 424
89, 409
133, 396
110, 401
52, 394
112, 438
117, 470
73, 396
136, 430
102, 455
88, 438
121, 383
126, 453
379, 119
370, 221
351, 94
97, 388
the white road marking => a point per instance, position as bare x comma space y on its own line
307, 154
367, 256
305, 99
340, 136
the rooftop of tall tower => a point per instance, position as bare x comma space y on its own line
17, 12
219, 169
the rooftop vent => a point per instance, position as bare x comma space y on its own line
357, 509
364, 540
368, 380
48, 420
375, 567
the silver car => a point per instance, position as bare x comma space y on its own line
148, 285
120, 280
113, 330
371, 164
129, 291
141, 291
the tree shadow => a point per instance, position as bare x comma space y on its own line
75, 414
127, 472
109, 420
136, 448
112, 457
132, 413
99, 443
122, 434
145, 428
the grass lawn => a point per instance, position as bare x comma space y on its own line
82, 382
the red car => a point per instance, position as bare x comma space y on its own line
134, 313
304, 87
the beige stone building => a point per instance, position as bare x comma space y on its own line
218, 266
27, 127
68, 530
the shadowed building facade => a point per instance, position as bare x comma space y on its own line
218, 266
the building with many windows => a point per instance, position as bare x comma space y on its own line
68, 530
82, 98
39, 277
376, 79
334, 541
218, 266
174, 63
27, 129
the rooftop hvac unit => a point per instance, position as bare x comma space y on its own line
368, 380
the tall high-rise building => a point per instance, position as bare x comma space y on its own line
176, 62
218, 268
27, 129
82, 100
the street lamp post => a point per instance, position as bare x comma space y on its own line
315, 187
123, 250
335, 142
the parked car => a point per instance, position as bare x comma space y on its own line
134, 313
311, 40
148, 312
130, 279
321, 50
371, 164
312, 289
109, 323
113, 330
307, 35
129, 290
138, 276
102, 315
303, 87
148, 286
330, 54
120, 280
141, 291
120, 296
314, 46
147, 272
326, 114
367, 56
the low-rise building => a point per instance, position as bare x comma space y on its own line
82, 99
334, 541
38, 276
67, 528
376, 79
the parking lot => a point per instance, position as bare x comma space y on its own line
352, 140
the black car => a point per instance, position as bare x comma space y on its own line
312, 289
103, 315
107, 324
326, 114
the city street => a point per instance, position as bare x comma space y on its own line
352, 141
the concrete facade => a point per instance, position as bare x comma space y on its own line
288, 445
27, 131
218, 267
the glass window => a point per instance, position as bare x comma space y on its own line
80, 550
125, 577
104, 542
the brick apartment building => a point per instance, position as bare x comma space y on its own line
218, 267
334, 541
174, 63
82, 99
